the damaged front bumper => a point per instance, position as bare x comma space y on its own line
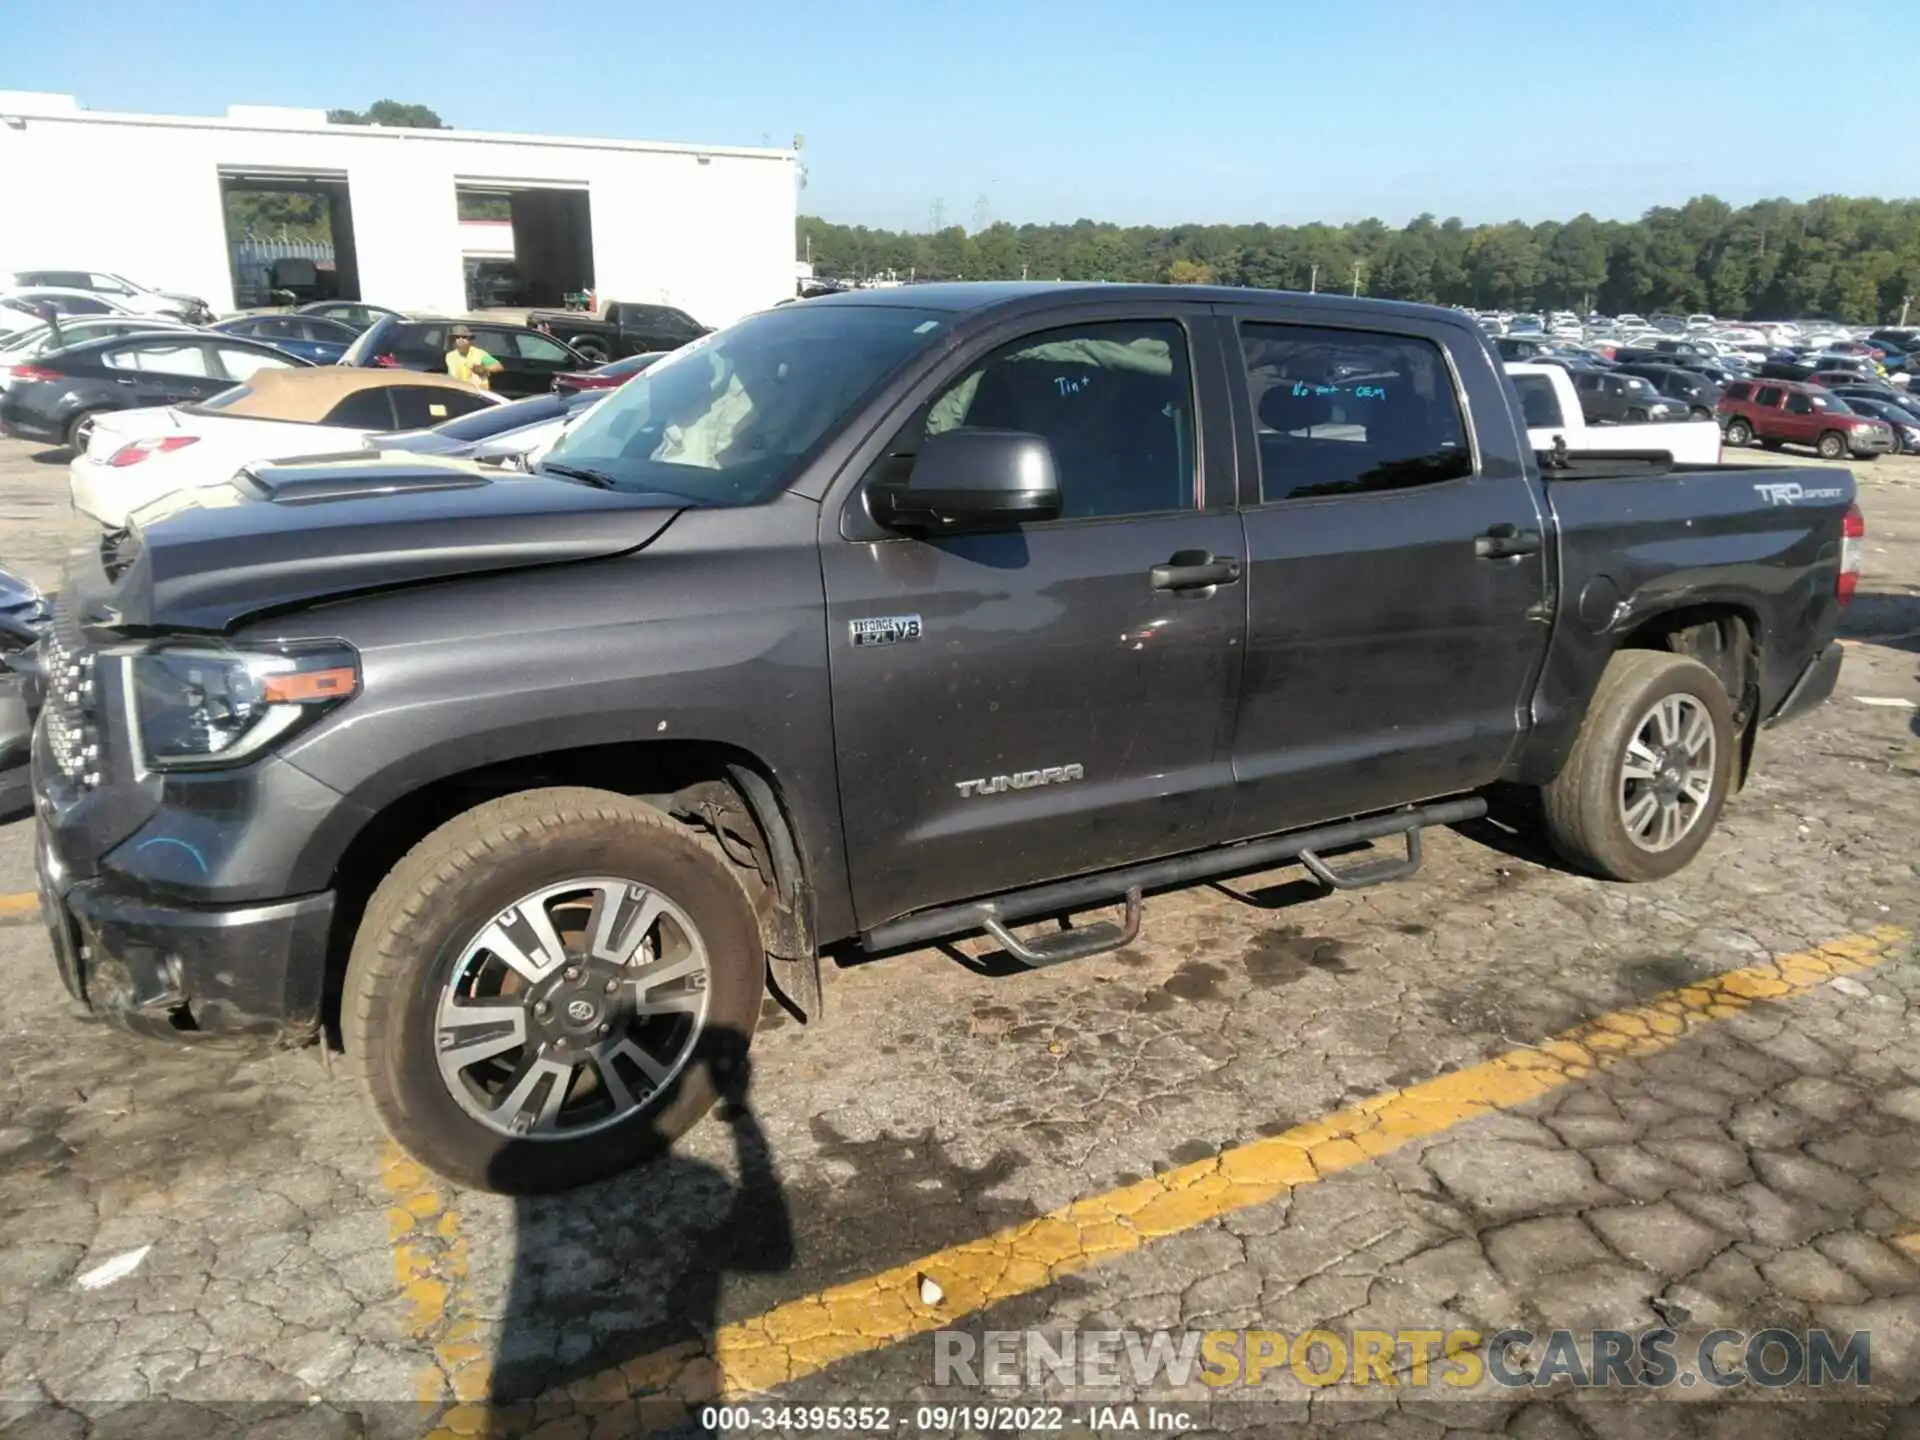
180, 972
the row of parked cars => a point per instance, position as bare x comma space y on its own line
156, 405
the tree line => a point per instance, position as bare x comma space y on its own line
1854, 260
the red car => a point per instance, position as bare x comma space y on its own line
1786, 412
605, 377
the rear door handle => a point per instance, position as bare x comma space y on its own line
1503, 541
1194, 570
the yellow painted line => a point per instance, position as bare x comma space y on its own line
430, 1269
805, 1336
14, 906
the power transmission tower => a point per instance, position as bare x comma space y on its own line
981, 214
936, 217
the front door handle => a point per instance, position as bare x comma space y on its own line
125, 380
1194, 570
1503, 541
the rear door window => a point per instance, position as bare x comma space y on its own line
172, 358
1346, 412
368, 409
239, 364
1768, 395
538, 351
418, 406
1798, 404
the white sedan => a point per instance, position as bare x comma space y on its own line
137, 456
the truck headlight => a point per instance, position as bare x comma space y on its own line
200, 708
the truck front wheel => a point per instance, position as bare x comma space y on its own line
550, 988
1643, 786
1739, 433
1832, 446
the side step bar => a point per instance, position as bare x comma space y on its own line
996, 915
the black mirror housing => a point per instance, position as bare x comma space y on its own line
972, 480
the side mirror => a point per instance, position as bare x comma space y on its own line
971, 480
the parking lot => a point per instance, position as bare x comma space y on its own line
1498, 1096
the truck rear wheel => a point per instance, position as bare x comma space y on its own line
1649, 772
550, 988
591, 348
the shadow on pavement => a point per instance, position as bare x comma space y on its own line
1878, 617
613, 1304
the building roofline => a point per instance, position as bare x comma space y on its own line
261, 120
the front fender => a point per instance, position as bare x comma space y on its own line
715, 634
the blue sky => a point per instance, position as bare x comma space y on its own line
1282, 111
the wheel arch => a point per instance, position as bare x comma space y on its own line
726, 790
1724, 634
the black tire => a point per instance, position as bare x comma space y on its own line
1699, 412
448, 888
78, 428
1739, 432
590, 349
1584, 804
1832, 446
1636, 417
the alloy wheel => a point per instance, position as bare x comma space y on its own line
1666, 776
572, 1009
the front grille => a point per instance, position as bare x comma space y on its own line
71, 699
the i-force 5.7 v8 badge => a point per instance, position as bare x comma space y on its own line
885, 629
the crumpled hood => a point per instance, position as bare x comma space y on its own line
284, 535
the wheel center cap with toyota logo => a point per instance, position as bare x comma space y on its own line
582, 1012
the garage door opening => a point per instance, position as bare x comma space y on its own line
289, 236
524, 244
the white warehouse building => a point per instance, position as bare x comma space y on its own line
707, 228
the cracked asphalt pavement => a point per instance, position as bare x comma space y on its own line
1499, 1096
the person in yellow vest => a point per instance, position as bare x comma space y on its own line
467, 362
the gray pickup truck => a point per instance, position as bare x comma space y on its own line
868, 621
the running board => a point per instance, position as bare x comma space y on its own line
1065, 896
1064, 944
1378, 871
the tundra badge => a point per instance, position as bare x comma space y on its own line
885, 630
1021, 780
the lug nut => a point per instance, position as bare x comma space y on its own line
605, 1029
612, 985
561, 1043
540, 1009
572, 972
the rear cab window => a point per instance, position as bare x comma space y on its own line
1539, 405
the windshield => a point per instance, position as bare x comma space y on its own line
727, 419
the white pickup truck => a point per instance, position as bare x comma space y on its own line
1552, 410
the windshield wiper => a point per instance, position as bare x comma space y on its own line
596, 478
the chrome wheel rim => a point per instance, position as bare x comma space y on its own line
573, 1009
1666, 777
83, 435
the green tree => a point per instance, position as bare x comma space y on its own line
390, 113
1848, 258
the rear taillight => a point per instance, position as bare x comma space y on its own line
1853, 542
36, 372
140, 449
